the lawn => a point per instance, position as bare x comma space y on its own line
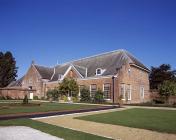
66, 134
151, 119
15, 108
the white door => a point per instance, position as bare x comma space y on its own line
31, 96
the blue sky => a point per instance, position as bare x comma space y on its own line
48, 31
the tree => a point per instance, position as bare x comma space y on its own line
85, 95
160, 74
8, 69
69, 87
167, 88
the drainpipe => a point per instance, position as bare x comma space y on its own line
113, 88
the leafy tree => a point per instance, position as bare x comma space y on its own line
85, 95
8, 69
160, 74
98, 98
167, 89
69, 87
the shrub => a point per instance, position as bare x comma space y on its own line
65, 98
98, 98
53, 94
35, 98
2, 98
8, 98
74, 99
25, 100
85, 95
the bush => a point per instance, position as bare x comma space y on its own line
2, 98
25, 100
98, 98
65, 98
53, 94
85, 95
35, 98
158, 101
74, 99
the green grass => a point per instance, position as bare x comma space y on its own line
10, 108
151, 119
66, 134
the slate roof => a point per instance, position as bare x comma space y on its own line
110, 62
45, 72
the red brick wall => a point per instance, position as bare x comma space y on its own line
16, 92
32, 78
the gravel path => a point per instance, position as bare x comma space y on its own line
107, 130
24, 133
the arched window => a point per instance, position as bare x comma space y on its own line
98, 71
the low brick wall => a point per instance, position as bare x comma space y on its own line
16, 92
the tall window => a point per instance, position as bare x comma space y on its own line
128, 92
107, 91
80, 89
122, 91
93, 89
142, 92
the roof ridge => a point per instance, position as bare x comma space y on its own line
43, 66
96, 55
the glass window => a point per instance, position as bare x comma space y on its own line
128, 92
93, 89
122, 91
98, 72
107, 91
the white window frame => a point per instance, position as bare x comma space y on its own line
110, 91
129, 94
91, 88
123, 95
100, 71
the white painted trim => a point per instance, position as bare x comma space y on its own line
53, 73
94, 77
88, 78
129, 99
67, 71
140, 67
77, 71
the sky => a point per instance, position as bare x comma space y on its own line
57, 31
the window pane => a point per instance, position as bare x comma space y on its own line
122, 91
107, 91
93, 90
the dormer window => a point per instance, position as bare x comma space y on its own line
98, 71
60, 76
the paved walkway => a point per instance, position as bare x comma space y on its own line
107, 130
24, 133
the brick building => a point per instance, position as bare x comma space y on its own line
115, 73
